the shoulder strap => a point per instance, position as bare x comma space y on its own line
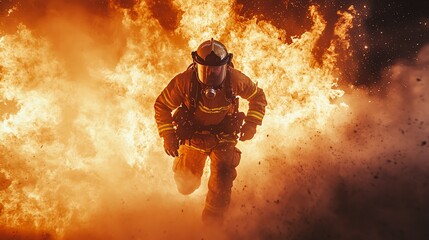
228, 88
194, 93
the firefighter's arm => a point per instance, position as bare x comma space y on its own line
257, 102
169, 99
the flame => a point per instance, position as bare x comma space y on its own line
66, 138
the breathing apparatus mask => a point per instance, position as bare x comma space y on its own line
211, 63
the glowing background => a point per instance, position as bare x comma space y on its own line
81, 158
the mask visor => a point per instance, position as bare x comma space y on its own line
212, 76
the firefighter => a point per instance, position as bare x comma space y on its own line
206, 123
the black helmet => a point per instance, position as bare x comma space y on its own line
211, 60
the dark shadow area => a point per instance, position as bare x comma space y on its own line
11, 234
167, 14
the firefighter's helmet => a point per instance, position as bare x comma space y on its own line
211, 60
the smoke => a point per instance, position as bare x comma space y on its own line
366, 178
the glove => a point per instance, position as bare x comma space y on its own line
171, 144
247, 131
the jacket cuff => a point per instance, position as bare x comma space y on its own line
254, 117
165, 129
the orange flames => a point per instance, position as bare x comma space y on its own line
76, 128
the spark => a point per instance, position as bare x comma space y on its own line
11, 10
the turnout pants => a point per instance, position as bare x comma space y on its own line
189, 165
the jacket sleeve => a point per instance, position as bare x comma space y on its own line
169, 99
250, 91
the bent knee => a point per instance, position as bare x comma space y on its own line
187, 186
186, 190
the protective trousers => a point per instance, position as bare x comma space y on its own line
189, 165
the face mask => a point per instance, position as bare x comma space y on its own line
211, 75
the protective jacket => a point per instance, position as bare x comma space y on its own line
209, 111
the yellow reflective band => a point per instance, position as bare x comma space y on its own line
255, 114
257, 118
167, 99
168, 125
195, 148
165, 128
214, 209
254, 93
226, 140
212, 110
